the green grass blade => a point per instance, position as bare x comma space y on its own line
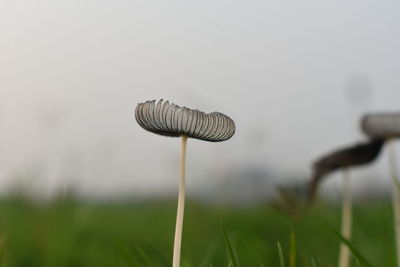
293, 250
144, 256
3, 242
313, 263
362, 260
280, 253
127, 256
208, 257
234, 260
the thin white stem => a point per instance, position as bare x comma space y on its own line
181, 205
344, 254
395, 196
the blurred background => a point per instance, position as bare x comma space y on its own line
295, 77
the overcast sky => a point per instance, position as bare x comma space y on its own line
295, 77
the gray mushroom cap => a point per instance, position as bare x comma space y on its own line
381, 125
168, 119
352, 156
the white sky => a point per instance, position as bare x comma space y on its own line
72, 72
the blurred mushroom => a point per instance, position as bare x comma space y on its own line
356, 155
359, 154
386, 125
381, 125
168, 119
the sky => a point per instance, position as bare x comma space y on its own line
295, 77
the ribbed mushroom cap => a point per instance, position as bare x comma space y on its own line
168, 119
381, 125
356, 155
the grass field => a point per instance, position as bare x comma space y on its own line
71, 233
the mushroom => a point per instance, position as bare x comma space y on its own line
168, 119
387, 126
356, 155
381, 125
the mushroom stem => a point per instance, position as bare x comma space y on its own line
181, 205
344, 254
395, 195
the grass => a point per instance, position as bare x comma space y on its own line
360, 259
71, 233
232, 254
281, 257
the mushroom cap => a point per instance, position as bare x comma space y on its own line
168, 119
356, 155
381, 125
